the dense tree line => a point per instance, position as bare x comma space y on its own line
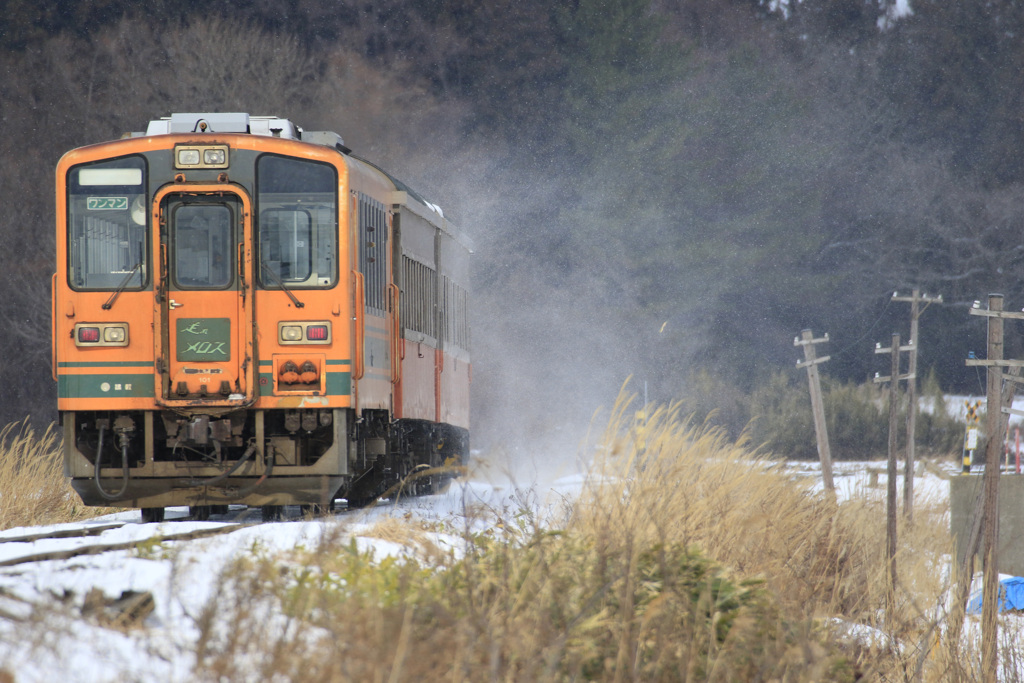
669, 189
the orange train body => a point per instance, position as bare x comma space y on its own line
246, 313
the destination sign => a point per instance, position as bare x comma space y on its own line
106, 203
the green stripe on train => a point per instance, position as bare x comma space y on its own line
339, 383
113, 385
107, 364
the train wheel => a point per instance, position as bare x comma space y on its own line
200, 513
271, 513
357, 502
314, 510
150, 515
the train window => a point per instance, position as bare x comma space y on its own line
203, 247
106, 223
419, 297
285, 237
373, 252
298, 223
455, 314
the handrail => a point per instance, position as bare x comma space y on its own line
53, 327
438, 369
358, 306
396, 341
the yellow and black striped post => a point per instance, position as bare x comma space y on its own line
971, 433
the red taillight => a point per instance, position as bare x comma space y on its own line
88, 335
316, 333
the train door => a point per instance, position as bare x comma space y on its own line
381, 371
205, 297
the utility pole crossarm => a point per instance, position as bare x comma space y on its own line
916, 298
888, 349
816, 361
995, 314
880, 379
1000, 363
797, 341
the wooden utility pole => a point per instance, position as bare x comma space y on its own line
995, 424
915, 299
811, 362
890, 501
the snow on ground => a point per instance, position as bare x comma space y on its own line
55, 641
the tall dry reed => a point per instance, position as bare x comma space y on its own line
33, 488
667, 481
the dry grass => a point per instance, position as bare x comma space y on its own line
823, 563
688, 557
409, 533
33, 488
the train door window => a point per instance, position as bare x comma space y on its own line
106, 222
297, 203
203, 246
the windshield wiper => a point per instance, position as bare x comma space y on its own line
120, 288
280, 283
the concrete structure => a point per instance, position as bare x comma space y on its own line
965, 490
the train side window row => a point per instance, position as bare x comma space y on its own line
420, 311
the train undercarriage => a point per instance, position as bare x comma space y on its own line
259, 458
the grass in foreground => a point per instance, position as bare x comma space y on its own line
33, 488
686, 558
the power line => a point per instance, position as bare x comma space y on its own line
866, 333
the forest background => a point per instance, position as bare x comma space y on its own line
668, 190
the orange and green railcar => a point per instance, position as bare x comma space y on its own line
246, 313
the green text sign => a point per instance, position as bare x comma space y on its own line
204, 339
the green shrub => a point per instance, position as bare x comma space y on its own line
856, 415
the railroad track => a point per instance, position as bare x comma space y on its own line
100, 547
161, 532
228, 522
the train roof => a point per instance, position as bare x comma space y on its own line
275, 126
232, 122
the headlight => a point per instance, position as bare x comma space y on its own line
291, 333
188, 157
201, 156
114, 335
213, 157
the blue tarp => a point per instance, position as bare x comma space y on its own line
1011, 596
